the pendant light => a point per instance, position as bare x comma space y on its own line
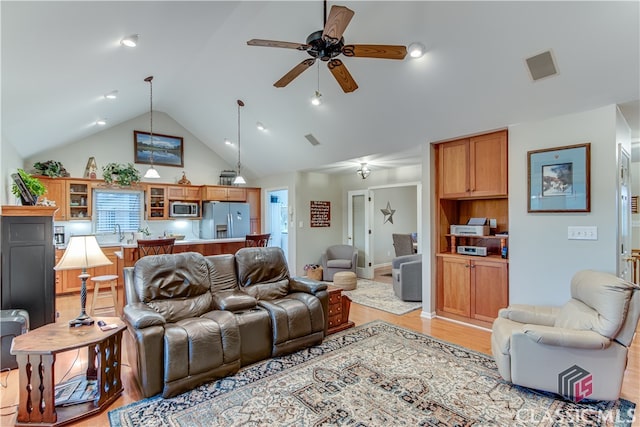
151, 172
239, 179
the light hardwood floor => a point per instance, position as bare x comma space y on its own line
470, 337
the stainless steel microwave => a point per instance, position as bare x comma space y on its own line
184, 209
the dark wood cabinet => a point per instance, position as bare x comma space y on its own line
28, 254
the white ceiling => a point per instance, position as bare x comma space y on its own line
60, 58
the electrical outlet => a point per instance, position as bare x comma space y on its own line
582, 233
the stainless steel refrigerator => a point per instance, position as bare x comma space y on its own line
224, 219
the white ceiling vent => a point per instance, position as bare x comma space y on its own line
312, 139
541, 65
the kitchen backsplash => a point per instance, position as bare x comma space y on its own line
189, 228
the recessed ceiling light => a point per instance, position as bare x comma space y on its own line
101, 122
261, 127
130, 41
111, 95
416, 50
226, 141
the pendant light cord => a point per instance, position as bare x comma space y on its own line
150, 80
240, 104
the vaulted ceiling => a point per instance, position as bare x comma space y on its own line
60, 58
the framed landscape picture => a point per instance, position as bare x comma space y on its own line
559, 179
164, 150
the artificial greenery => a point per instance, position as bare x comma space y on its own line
33, 185
121, 174
51, 168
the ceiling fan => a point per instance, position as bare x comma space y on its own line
327, 44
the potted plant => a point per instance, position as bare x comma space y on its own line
51, 168
124, 175
33, 184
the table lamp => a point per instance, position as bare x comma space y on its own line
82, 252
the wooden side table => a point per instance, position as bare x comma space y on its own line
36, 352
339, 306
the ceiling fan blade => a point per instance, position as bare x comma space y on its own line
342, 75
375, 51
295, 72
275, 43
339, 18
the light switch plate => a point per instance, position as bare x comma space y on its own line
582, 233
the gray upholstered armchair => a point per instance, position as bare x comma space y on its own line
578, 350
338, 258
407, 277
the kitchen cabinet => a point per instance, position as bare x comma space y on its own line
73, 198
471, 180
67, 281
79, 200
471, 287
255, 204
191, 193
219, 193
157, 203
473, 167
57, 192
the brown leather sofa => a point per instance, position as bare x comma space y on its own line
192, 319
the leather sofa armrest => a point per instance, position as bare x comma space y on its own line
233, 300
304, 284
561, 337
530, 314
140, 316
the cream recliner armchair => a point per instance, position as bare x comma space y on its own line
578, 350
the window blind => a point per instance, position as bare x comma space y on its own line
117, 207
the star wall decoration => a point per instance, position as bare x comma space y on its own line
388, 213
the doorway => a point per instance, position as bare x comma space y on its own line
277, 219
358, 233
624, 214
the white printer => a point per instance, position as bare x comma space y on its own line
473, 227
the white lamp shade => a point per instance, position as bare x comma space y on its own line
82, 252
152, 173
239, 180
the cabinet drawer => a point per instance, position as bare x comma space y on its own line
335, 320
335, 297
335, 309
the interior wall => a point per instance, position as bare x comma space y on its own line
115, 144
312, 241
542, 259
405, 219
10, 163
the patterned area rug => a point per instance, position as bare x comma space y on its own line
373, 375
380, 296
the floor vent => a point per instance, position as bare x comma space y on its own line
541, 66
312, 139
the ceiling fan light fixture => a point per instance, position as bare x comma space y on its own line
364, 171
130, 41
316, 99
416, 50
